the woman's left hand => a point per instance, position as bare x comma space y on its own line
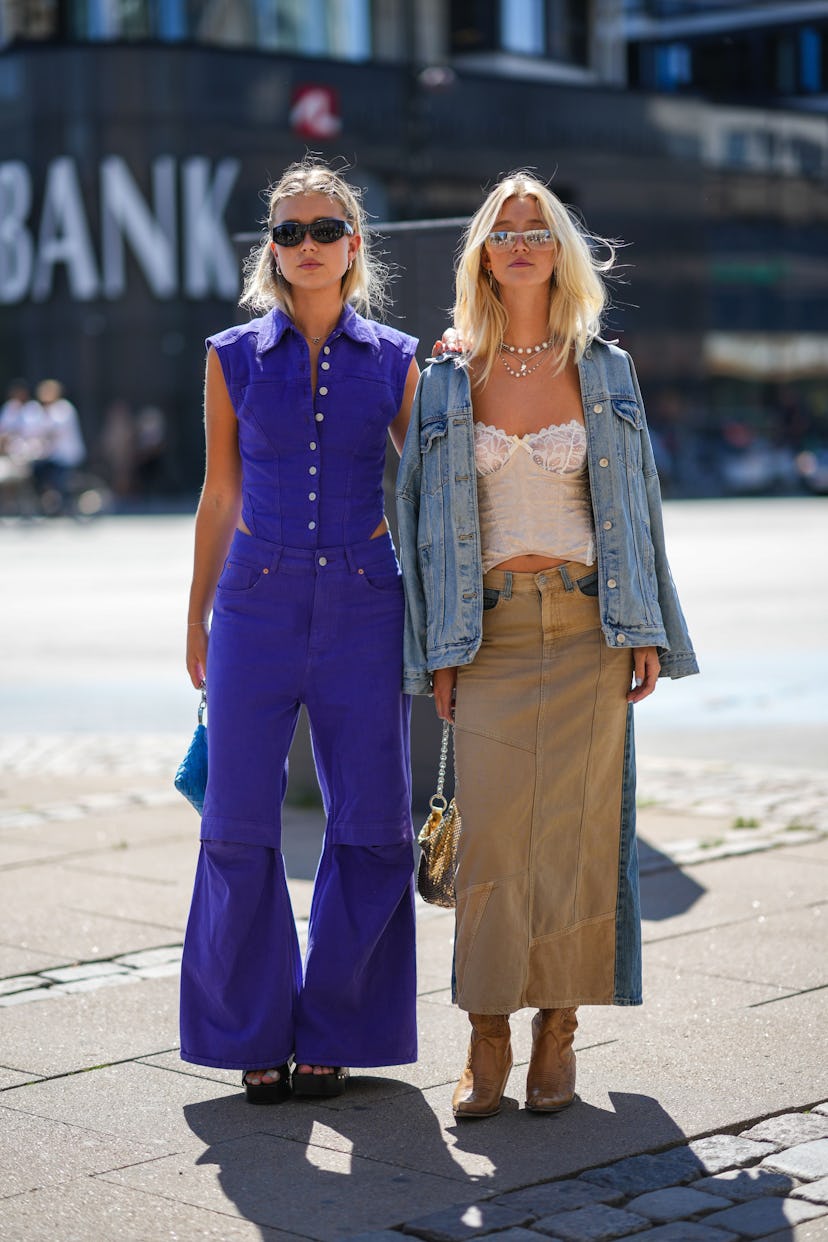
646, 670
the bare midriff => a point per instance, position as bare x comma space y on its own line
529, 564
381, 530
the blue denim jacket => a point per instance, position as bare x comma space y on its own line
439, 528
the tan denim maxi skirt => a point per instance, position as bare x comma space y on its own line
542, 735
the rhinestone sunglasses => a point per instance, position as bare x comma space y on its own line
324, 231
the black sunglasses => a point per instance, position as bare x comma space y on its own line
325, 231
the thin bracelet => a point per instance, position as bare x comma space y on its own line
191, 623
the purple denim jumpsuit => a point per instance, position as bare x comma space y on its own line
308, 610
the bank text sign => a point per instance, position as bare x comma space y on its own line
176, 233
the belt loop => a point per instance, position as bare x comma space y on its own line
565, 578
351, 558
506, 593
276, 557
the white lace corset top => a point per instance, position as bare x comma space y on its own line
533, 494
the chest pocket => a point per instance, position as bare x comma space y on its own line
434, 452
630, 422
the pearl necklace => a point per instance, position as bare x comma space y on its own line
526, 349
525, 352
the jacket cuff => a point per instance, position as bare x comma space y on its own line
675, 664
416, 683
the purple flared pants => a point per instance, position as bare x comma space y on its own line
321, 628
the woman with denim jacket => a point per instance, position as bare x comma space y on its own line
539, 610
294, 560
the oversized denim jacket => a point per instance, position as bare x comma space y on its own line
439, 529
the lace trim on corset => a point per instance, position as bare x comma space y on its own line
559, 448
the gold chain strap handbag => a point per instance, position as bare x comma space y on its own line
438, 840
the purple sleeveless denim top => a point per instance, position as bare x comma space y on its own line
312, 462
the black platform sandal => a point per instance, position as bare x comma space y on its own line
321, 1086
268, 1092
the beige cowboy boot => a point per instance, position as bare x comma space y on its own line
550, 1082
483, 1081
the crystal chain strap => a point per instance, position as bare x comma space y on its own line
439, 797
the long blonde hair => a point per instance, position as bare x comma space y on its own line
364, 284
577, 294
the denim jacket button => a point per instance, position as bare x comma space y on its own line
598, 409
607, 525
621, 638
611, 582
603, 462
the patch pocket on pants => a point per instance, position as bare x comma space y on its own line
491, 598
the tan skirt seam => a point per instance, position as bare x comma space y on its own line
495, 737
492, 884
572, 927
587, 766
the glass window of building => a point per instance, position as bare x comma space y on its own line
335, 28
554, 29
27, 19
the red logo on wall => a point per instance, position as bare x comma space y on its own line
314, 112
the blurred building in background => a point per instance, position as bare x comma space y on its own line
136, 136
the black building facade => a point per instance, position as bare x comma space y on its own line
128, 172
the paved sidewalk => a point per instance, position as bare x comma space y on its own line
701, 1115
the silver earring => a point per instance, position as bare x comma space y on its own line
490, 277
350, 265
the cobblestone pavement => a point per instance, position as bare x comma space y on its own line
757, 1183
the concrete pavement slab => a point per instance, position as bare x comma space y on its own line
78, 916
784, 950
92, 1028
20, 960
736, 890
137, 1102
666, 1055
255, 1178
37, 1152
435, 947
13, 1078
87, 1209
172, 1061
15, 854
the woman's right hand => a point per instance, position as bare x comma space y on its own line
197, 637
449, 343
443, 684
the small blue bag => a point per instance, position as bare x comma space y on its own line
191, 777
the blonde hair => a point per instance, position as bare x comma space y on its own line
577, 294
364, 284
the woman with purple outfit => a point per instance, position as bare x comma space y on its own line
295, 561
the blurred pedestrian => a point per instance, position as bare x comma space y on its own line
540, 609
64, 447
294, 557
22, 443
